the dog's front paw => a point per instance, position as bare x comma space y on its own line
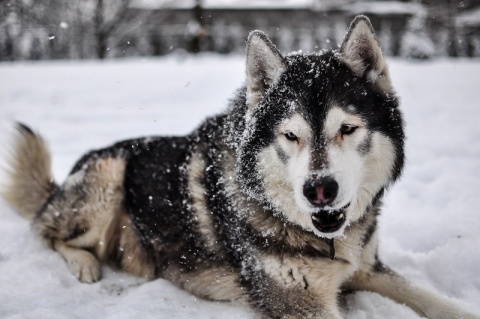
84, 266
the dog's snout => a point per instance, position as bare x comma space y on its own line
321, 192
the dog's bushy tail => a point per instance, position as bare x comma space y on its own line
28, 179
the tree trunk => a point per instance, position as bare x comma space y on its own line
101, 36
452, 28
198, 16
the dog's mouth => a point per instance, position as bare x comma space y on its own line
329, 221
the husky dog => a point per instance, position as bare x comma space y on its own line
273, 203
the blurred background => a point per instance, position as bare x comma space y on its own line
99, 29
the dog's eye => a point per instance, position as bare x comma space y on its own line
347, 129
291, 137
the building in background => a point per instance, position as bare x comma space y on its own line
59, 29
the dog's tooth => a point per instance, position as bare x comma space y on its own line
340, 216
315, 218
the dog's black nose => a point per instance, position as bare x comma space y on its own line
320, 192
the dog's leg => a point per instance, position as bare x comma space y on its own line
374, 276
81, 219
426, 303
292, 288
82, 264
275, 301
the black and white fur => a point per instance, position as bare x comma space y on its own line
273, 203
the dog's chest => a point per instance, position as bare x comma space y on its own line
316, 275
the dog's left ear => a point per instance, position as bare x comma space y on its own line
265, 64
361, 51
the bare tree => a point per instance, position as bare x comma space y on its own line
58, 29
109, 16
197, 27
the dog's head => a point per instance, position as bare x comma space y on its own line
322, 134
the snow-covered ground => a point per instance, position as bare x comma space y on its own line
429, 228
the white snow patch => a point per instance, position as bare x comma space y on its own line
469, 18
224, 4
384, 7
429, 229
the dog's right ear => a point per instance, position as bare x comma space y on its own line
361, 51
265, 64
